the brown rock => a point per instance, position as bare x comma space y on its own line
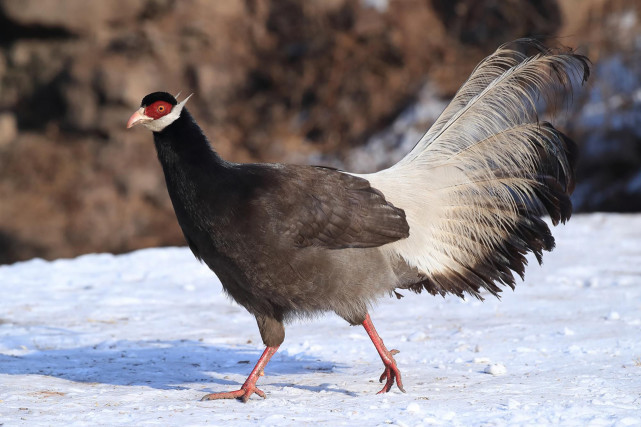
8, 129
274, 80
73, 16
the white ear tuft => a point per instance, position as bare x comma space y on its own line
183, 102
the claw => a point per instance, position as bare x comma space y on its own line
260, 393
391, 373
249, 387
243, 394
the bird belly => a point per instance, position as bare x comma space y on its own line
307, 281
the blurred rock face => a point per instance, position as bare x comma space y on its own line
277, 80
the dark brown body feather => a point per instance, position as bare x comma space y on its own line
284, 240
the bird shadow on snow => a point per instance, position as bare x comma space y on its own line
163, 365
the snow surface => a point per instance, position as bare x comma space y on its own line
139, 338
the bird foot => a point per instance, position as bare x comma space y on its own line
243, 394
249, 387
390, 373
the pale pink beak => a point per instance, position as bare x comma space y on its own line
138, 117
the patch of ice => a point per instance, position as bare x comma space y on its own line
629, 421
449, 415
513, 404
574, 349
413, 408
417, 336
613, 316
495, 369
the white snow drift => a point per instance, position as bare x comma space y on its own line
139, 338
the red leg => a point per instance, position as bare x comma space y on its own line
249, 387
391, 371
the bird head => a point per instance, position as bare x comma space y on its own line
157, 111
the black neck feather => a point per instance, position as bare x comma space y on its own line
184, 143
196, 176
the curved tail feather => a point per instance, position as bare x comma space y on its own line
476, 184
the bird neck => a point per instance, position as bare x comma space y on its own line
183, 144
195, 175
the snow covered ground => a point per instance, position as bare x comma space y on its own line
139, 338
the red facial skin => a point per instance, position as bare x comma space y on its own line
158, 109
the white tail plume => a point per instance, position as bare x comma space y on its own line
473, 188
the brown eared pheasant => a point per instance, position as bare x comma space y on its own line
457, 215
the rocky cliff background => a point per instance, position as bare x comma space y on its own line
350, 83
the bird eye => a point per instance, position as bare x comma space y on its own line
161, 108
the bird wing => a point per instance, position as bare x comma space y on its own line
475, 186
328, 208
